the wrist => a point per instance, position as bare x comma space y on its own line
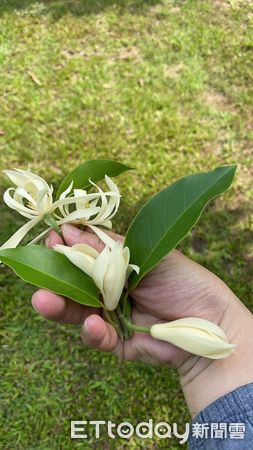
204, 380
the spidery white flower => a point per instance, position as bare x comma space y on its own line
33, 198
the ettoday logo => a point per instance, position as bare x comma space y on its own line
82, 429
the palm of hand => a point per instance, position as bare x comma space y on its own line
176, 288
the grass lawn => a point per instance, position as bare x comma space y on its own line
165, 86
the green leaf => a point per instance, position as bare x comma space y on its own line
167, 217
94, 169
51, 270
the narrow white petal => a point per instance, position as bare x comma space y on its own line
112, 185
20, 234
62, 197
81, 199
30, 176
103, 205
80, 214
131, 268
41, 195
65, 201
109, 211
67, 191
107, 224
40, 236
17, 178
103, 236
13, 204
23, 193
115, 198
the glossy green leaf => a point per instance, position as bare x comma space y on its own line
51, 270
94, 169
167, 217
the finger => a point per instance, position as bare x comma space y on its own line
73, 235
101, 335
52, 239
60, 309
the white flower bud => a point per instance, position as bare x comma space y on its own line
108, 269
197, 336
81, 255
109, 274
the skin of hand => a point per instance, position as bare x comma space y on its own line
178, 287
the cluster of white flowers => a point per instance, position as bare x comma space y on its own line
33, 198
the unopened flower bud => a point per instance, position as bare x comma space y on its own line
197, 336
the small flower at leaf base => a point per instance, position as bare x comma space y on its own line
108, 269
197, 336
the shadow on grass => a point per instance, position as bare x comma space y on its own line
58, 8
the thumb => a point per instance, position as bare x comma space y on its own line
73, 235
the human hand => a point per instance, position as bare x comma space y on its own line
176, 288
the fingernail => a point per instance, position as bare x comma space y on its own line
86, 330
69, 229
33, 300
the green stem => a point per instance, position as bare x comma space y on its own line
121, 319
109, 318
113, 319
50, 220
140, 328
127, 312
125, 298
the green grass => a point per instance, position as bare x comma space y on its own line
165, 86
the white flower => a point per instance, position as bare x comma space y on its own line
195, 335
33, 198
108, 269
105, 210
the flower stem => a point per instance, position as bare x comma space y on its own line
124, 302
50, 220
121, 319
114, 320
139, 328
52, 223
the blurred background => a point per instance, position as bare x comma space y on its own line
166, 87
